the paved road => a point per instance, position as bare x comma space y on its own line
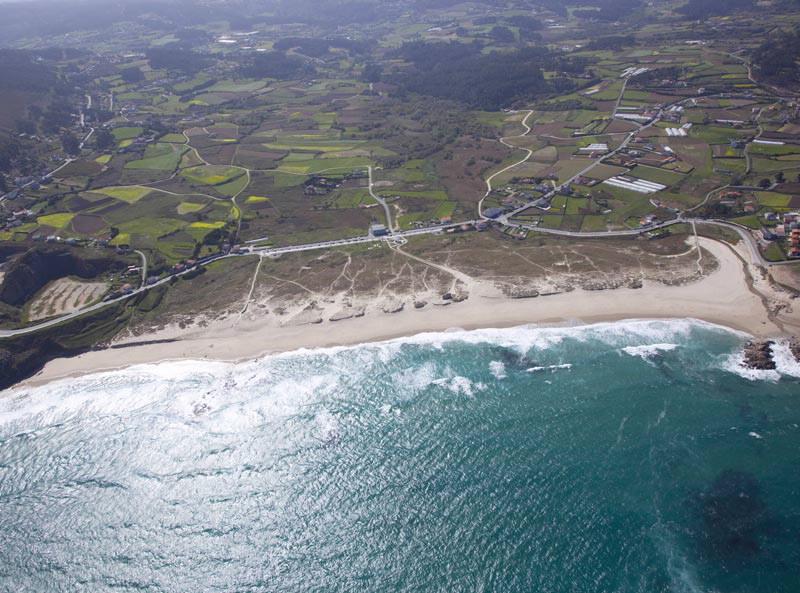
51, 173
752, 245
261, 251
144, 265
601, 234
96, 307
380, 201
746, 235
86, 138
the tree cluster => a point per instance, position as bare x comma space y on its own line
275, 64
776, 58
177, 60
460, 72
702, 9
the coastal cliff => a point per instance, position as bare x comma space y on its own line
39, 265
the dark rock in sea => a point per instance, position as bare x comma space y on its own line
794, 346
758, 355
420, 304
447, 296
734, 517
511, 357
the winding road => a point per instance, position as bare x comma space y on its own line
396, 236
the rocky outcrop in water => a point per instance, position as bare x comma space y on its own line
758, 355
794, 346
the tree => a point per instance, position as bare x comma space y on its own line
764, 183
25, 126
132, 74
372, 72
502, 34
70, 143
104, 139
780, 177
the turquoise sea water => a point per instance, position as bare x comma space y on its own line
629, 457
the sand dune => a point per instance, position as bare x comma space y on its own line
729, 296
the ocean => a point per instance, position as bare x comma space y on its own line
622, 457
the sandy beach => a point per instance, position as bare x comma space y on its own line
731, 296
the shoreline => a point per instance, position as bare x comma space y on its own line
146, 358
724, 298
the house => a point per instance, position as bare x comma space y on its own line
378, 230
493, 212
768, 235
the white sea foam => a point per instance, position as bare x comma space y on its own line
326, 426
498, 369
212, 387
785, 364
648, 351
460, 385
552, 367
526, 338
409, 382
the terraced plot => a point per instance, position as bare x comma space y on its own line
64, 296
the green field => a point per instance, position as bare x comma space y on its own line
189, 207
57, 220
319, 165
126, 132
160, 157
214, 175
773, 199
130, 194
656, 175
427, 194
